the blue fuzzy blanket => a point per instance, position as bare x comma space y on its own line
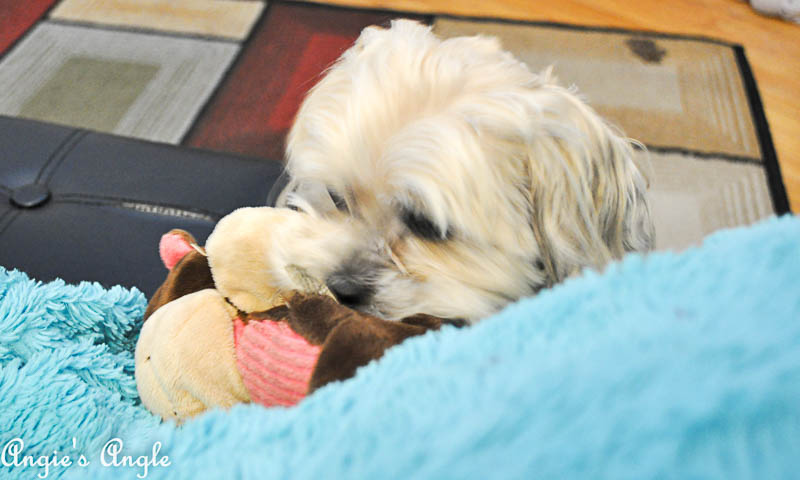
667, 366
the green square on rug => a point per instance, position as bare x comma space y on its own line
89, 92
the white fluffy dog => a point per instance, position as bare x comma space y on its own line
452, 180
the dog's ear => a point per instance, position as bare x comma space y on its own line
587, 195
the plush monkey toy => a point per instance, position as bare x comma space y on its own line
217, 334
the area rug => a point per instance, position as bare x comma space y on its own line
229, 75
671, 366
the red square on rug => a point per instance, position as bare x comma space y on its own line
17, 17
255, 106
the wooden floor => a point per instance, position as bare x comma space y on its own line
772, 46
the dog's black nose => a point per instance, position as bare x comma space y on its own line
349, 290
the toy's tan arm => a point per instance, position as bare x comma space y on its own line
253, 252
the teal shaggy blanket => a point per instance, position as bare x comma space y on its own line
666, 366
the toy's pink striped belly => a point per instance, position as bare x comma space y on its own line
275, 362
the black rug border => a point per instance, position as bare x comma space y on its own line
780, 200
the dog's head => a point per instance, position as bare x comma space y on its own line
463, 180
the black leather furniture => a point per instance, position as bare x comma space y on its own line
88, 206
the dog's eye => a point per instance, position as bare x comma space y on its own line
422, 226
338, 200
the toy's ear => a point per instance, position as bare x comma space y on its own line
188, 273
174, 245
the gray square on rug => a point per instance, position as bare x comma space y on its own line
137, 84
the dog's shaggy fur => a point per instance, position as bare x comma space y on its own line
453, 179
